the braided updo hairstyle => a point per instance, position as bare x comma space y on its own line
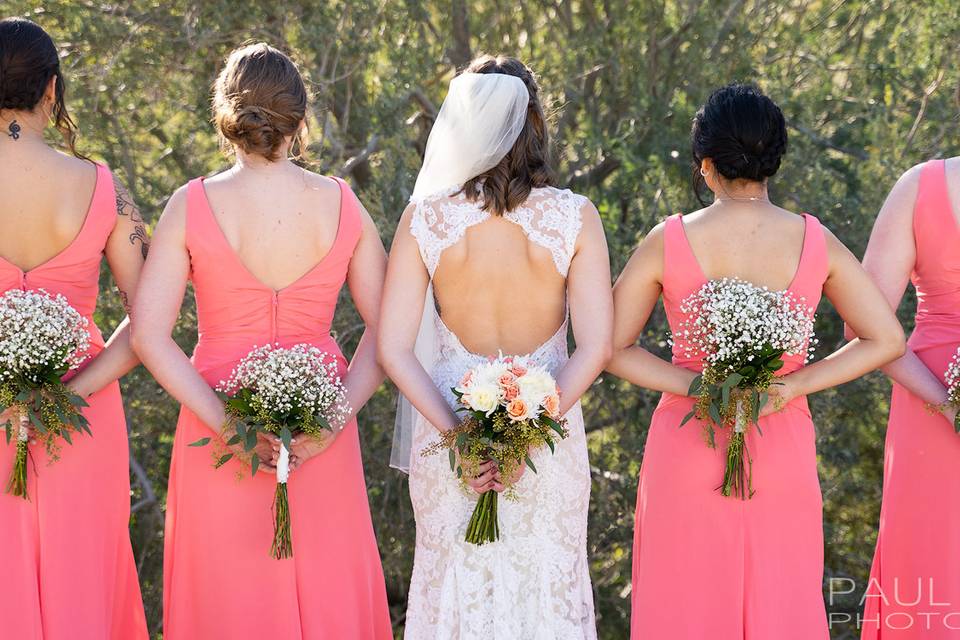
28, 60
526, 166
742, 131
259, 100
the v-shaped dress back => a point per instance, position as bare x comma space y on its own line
69, 570
709, 566
219, 578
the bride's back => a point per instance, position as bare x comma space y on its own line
500, 280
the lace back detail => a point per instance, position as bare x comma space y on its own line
550, 218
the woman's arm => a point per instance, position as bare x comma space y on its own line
155, 313
634, 296
364, 375
591, 310
866, 311
889, 260
126, 251
401, 311
365, 280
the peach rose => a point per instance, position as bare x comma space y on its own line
552, 406
510, 392
517, 409
518, 370
506, 380
466, 379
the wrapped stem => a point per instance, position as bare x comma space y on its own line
17, 484
282, 546
738, 474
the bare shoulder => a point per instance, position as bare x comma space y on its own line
174, 216
320, 185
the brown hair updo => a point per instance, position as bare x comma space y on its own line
259, 100
526, 166
28, 59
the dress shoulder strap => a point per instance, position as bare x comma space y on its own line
814, 264
351, 223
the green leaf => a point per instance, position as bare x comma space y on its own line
530, 464
553, 447
453, 461
254, 464
695, 386
202, 442
687, 418
286, 437
234, 440
223, 460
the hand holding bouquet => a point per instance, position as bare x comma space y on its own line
952, 378
512, 407
285, 392
41, 338
742, 332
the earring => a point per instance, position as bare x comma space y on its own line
704, 172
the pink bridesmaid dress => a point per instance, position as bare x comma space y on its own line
68, 569
914, 588
709, 566
220, 580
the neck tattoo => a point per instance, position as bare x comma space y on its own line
14, 130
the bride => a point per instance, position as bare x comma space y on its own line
502, 259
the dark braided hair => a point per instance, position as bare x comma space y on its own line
527, 165
742, 131
28, 59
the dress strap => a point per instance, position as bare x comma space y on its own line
681, 270
932, 211
814, 264
351, 223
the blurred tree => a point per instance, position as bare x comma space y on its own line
869, 87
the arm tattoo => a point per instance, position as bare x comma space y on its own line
126, 207
124, 300
14, 130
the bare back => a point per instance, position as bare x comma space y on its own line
757, 242
45, 196
280, 224
500, 281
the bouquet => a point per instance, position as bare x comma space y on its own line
41, 338
952, 379
512, 407
742, 332
286, 392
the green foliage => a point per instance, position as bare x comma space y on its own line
868, 88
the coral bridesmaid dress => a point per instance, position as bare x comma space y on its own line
914, 589
68, 570
706, 566
220, 581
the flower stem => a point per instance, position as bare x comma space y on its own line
483, 526
282, 545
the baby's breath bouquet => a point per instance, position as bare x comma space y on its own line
41, 338
512, 407
294, 391
742, 332
952, 379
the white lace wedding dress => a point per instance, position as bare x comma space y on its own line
534, 583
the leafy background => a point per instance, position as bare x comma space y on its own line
869, 88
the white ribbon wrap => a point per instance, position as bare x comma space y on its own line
283, 465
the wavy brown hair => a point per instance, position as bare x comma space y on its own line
28, 60
259, 100
527, 165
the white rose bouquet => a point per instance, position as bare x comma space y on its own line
287, 392
41, 338
742, 333
512, 407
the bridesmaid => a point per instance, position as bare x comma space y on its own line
704, 565
914, 588
68, 570
267, 246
